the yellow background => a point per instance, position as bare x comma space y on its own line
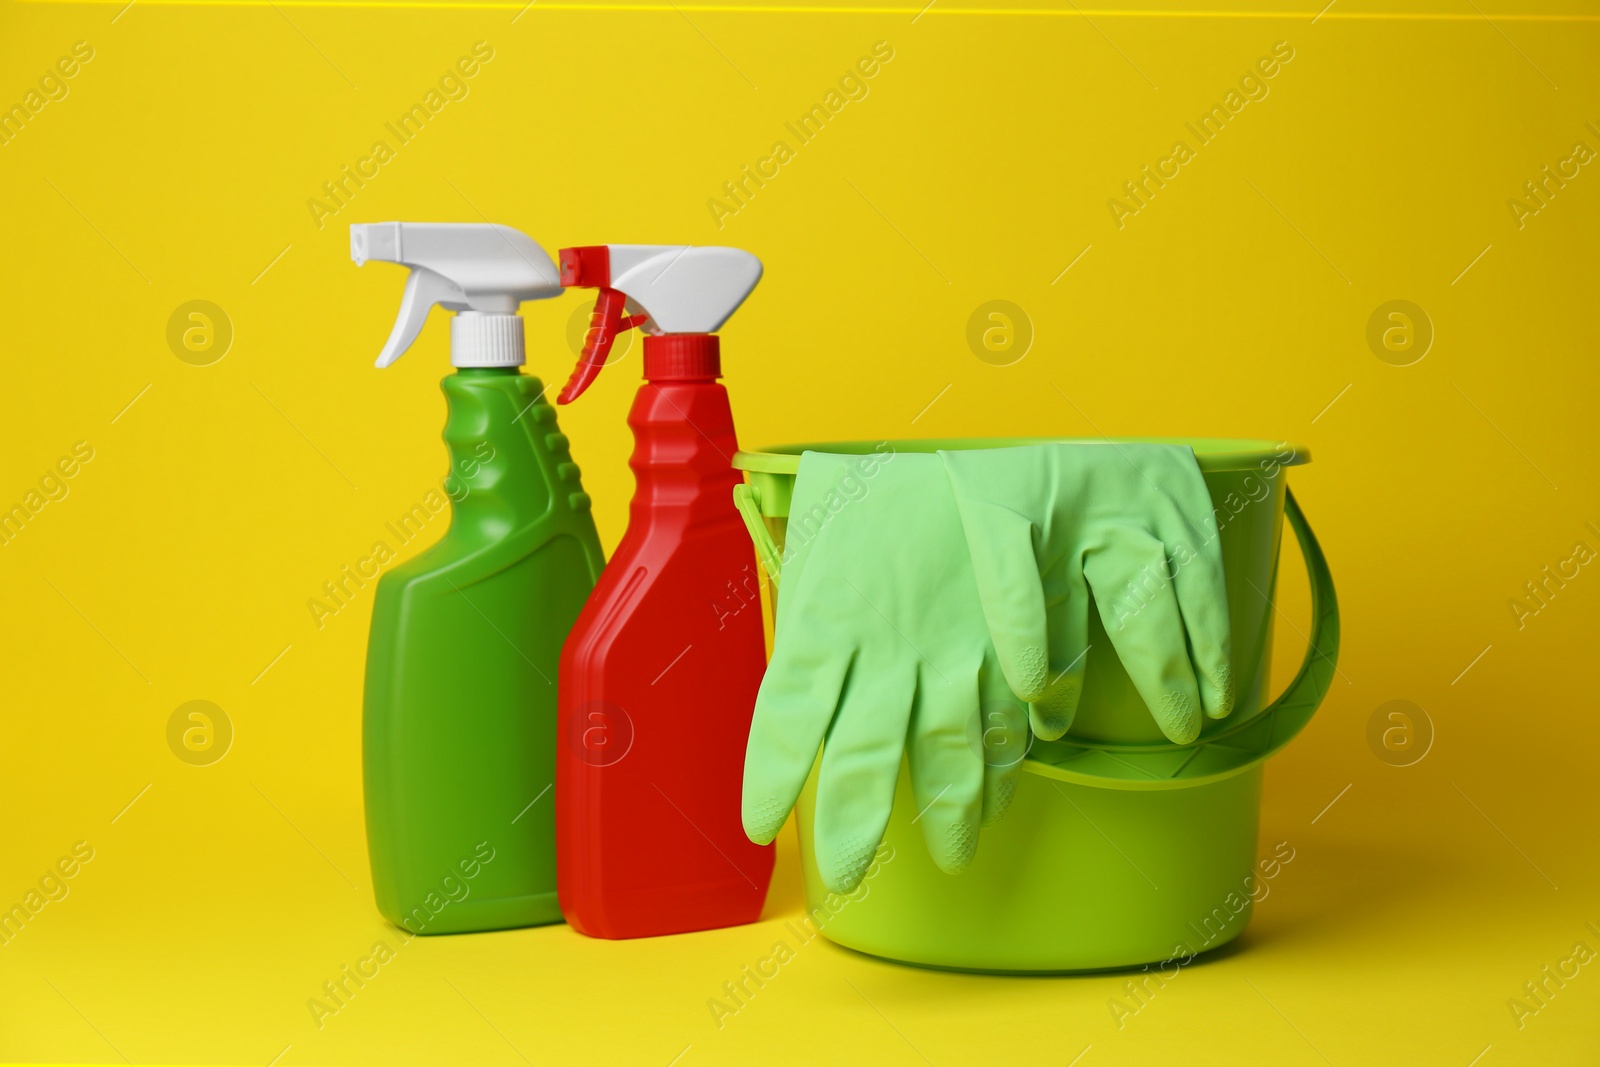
977, 168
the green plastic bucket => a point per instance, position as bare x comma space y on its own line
1120, 848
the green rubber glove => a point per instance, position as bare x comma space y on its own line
1048, 524
880, 650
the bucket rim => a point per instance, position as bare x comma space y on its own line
1214, 454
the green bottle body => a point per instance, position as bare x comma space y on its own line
459, 723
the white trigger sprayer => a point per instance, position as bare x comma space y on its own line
481, 271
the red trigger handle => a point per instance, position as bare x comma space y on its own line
605, 322
591, 266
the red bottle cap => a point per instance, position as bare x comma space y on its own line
682, 357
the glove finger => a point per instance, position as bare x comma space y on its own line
1184, 520
1202, 593
1051, 714
946, 772
1003, 741
860, 765
793, 709
1000, 542
1140, 611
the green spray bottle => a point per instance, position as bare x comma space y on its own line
459, 725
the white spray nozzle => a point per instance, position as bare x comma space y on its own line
683, 288
481, 271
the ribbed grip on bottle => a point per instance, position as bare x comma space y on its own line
482, 339
672, 357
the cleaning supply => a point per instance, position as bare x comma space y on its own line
659, 675
459, 732
880, 645
1120, 848
1048, 525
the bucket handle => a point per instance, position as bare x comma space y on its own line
1232, 750
747, 498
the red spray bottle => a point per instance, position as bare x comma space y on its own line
659, 675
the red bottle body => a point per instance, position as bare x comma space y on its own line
658, 682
